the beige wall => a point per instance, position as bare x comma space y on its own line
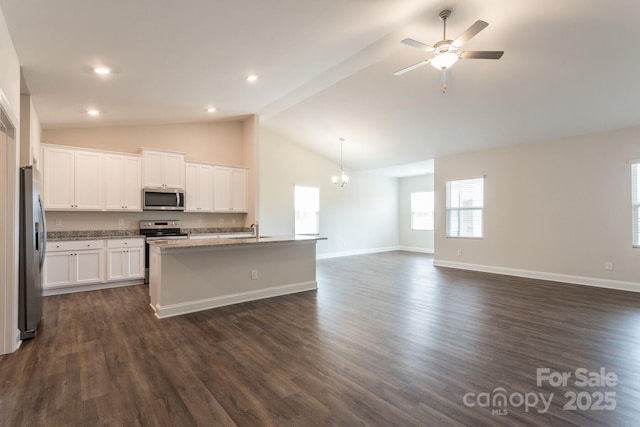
9, 156
415, 240
212, 142
361, 217
558, 209
228, 143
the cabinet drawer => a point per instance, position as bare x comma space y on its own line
76, 245
125, 243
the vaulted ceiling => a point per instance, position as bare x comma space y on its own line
326, 69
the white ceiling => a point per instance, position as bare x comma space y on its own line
326, 70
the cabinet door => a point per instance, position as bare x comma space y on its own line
116, 264
239, 190
58, 270
205, 191
122, 182
132, 186
114, 181
173, 170
135, 263
221, 189
88, 180
89, 266
58, 178
191, 187
152, 169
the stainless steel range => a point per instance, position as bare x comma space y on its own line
159, 230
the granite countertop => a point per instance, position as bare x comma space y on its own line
59, 236
233, 241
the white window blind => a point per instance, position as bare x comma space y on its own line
307, 210
464, 207
635, 200
422, 207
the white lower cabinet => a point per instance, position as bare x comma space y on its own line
125, 259
82, 262
71, 263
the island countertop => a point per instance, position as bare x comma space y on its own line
187, 275
170, 244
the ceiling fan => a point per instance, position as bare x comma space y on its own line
446, 52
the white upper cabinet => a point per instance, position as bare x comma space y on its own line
162, 169
198, 187
72, 179
230, 189
123, 182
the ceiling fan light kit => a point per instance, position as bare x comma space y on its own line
446, 52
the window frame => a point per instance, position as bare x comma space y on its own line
295, 211
449, 209
412, 211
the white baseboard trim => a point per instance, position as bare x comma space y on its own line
90, 287
357, 252
209, 303
420, 250
18, 341
541, 275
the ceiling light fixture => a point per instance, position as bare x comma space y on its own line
446, 52
211, 109
252, 78
103, 71
93, 112
341, 178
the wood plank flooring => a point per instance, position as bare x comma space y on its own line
386, 340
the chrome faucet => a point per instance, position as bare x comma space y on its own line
256, 230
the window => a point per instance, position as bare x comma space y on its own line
422, 210
465, 202
635, 200
307, 210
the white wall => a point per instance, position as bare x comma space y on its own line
30, 133
557, 209
358, 218
10, 101
413, 240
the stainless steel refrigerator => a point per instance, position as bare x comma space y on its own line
33, 238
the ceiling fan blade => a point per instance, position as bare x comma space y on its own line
471, 31
419, 45
482, 54
411, 67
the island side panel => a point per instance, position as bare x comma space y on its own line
193, 279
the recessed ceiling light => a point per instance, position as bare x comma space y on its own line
103, 71
211, 109
93, 112
252, 78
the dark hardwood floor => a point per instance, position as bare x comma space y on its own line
387, 340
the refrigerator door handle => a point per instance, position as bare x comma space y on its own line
42, 238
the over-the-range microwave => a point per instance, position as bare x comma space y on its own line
162, 199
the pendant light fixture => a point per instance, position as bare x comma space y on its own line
341, 178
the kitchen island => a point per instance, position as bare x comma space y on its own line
188, 275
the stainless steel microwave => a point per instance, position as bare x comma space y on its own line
162, 199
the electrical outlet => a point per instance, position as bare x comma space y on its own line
120, 221
233, 220
459, 252
58, 221
221, 220
254, 274
608, 266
